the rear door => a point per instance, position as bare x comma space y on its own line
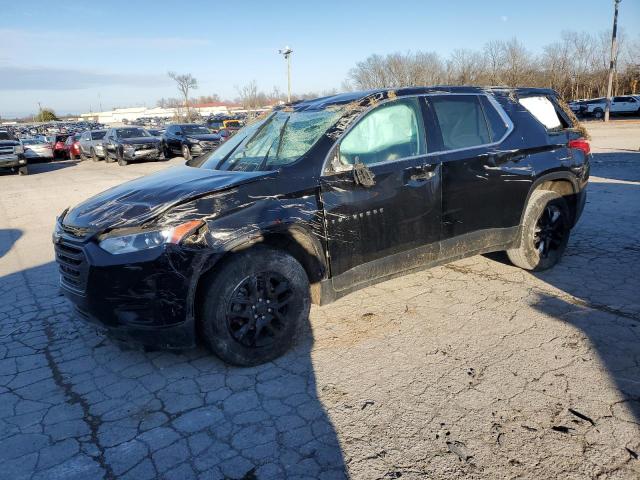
475, 177
376, 223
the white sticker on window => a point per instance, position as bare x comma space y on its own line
543, 110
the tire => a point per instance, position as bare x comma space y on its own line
23, 170
71, 155
94, 155
121, 161
227, 326
166, 152
186, 153
598, 113
545, 231
83, 157
108, 158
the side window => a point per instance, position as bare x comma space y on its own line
389, 132
497, 124
461, 120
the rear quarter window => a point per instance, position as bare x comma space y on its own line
543, 110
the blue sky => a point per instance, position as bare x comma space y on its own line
75, 55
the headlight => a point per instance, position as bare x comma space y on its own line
136, 242
18, 149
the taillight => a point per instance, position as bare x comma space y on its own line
580, 144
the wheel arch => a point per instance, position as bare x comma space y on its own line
294, 240
563, 183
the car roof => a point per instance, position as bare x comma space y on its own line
360, 96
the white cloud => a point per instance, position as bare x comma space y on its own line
504, 18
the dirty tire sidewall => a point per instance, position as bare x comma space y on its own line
526, 256
219, 288
121, 161
186, 153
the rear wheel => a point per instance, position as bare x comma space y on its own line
253, 306
544, 233
598, 113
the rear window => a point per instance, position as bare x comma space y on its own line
461, 121
543, 110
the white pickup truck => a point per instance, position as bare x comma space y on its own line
621, 105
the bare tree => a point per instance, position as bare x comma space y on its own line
186, 82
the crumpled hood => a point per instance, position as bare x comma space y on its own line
140, 140
140, 200
205, 136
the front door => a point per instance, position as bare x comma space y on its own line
371, 226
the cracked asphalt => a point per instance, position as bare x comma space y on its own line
471, 370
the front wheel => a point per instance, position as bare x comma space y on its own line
598, 113
94, 155
186, 153
121, 161
544, 232
23, 171
253, 306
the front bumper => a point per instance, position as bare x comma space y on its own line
151, 153
201, 148
144, 297
13, 160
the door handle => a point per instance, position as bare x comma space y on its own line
423, 172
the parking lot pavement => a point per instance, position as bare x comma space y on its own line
472, 370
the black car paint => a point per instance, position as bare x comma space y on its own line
113, 146
420, 212
174, 139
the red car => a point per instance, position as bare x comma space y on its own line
58, 145
72, 147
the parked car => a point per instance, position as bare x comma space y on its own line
36, 149
621, 105
12, 153
91, 144
128, 144
188, 140
58, 145
231, 124
317, 200
72, 146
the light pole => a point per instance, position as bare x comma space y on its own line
286, 52
612, 62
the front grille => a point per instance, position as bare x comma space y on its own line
6, 150
78, 232
72, 265
210, 144
146, 146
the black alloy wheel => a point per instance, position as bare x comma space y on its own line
550, 230
258, 311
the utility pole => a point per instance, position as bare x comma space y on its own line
613, 60
286, 52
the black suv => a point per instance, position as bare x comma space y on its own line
318, 199
188, 140
127, 144
12, 153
